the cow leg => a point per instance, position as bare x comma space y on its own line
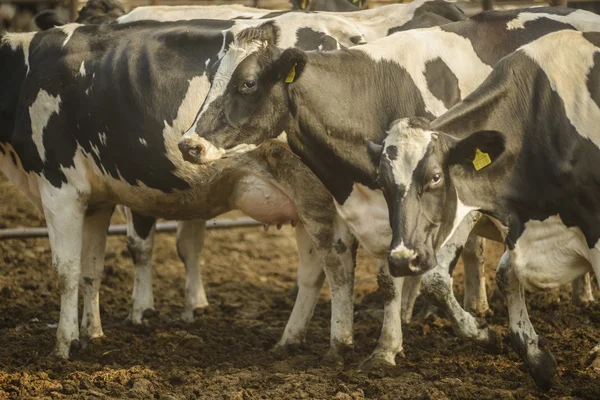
475, 297
410, 291
65, 212
190, 239
140, 241
340, 262
310, 280
95, 226
437, 288
390, 339
581, 293
527, 343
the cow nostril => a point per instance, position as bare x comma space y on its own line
191, 151
416, 261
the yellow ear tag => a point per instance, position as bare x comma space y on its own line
292, 75
481, 160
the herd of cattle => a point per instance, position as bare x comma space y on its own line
410, 129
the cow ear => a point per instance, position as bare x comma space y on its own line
290, 65
267, 33
375, 151
478, 150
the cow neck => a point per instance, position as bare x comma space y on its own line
331, 140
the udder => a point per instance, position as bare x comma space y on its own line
548, 255
264, 202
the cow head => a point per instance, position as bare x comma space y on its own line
248, 101
430, 183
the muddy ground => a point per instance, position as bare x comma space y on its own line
225, 353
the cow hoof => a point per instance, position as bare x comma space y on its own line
543, 368
337, 352
66, 350
377, 365
493, 342
91, 342
149, 313
283, 351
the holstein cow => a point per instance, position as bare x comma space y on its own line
260, 91
524, 149
81, 103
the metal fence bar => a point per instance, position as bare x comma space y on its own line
168, 226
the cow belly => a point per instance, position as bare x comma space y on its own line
263, 201
366, 213
548, 254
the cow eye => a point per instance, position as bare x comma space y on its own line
249, 84
436, 179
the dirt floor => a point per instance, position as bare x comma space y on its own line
225, 354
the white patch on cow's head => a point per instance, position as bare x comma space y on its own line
69, 29
581, 20
235, 55
102, 137
143, 142
567, 70
19, 41
410, 147
40, 112
82, 69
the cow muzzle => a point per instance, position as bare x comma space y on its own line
406, 262
198, 150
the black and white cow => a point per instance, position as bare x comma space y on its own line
79, 101
260, 91
523, 148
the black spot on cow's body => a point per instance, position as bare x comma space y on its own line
273, 14
490, 36
442, 82
309, 39
593, 80
426, 20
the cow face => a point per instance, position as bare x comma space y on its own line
423, 175
248, 101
